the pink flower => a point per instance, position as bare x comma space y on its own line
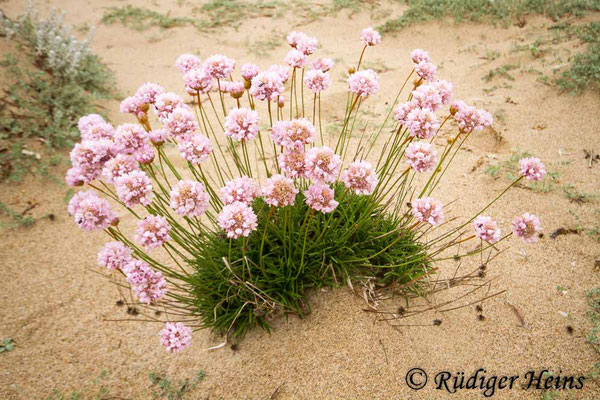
267, 86
322, 64
158, 136
283, 71
181, 122
486, 229
237, 219
295, 37
279, 191
241, 124
249, 71
186, 62
360, 177
428, 96
364, 82
428, 210
527, 227
320, 197
129, 138
307, 45
118, 166
165, 103
198, 80
175, 337
422, 123
470, 118
426, 70
147, 285
194, 148
114, 255
133, 105
532, 168
93, 127
317, 81
242, 190
235, 88
445, 89
189, 198
90, 156
90, 212
144, 155
296, 131
148, 91
370, 37
295, 58
88, 121
281, 101
419, 55
322, 164
152, 232
420, 156
75, 177
292, 160
402, 110
219, 66
134, 188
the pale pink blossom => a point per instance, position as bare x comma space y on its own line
114, 255
317, 81
249, 71
148, 91
219, 66
295, 37
152, 232
165, 103
90, 156
189, 198
283, 71
87, 121
242, 189
364, 82
76, 177
175, 337
237, 219
295, 58
445, 89
470, 118
420, 156
129, 138
322, 64
486, 229
532, 168
198, 80
186, 62
320, 197
158, 136
402, 110
426, 70
370, 37
428, 210
296, 131
418, 55
527, 227
241, 124
181, 122
292, 161
322, 164
118, 166
234, 88
279, 191
194, 148
90, 212
422, 123
147, 285
267, 86
428, 96
93, 127
134, 188
145, 154
133, 105
360, 177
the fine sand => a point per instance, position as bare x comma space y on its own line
55, 307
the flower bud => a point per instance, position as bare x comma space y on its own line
351, 70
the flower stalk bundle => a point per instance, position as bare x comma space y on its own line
243, 204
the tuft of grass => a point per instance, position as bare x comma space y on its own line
218, 13
140, 18
18, 219
502, 71
584, 71
7, 344
165, 388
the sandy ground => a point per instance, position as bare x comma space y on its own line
55, 307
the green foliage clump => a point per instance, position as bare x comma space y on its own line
169, 390
140, 18
584, 71
54, 79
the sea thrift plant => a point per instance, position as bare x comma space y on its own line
239, 202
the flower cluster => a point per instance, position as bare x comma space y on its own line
147, 285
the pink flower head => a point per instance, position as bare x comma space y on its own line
279, 191
242, 190
295, 37
320, 197
165, 103
429, 210
114, 255
76, 177
148, 91
322, 64
307, 45
370, 37
267, 86
194, 148
249, 71
420, 156
532, 168
234, 88
364, 82
189, 198
134, 188
237, 219
402, 110
133, 105
444, 89
281, 101
175, 337
88, 121
241, 124
158, 136
152, 231
322, 164
118, 166
198, 80
426, 70
145, 154
527, 227
470, 118
93, 127
428, 96
419, 55
317, 81
292, 161
147, 285
129, 138
90, 156
295, 58
186, 62
486, 229
219, 66
90, 212
422, 123
296, 131
283, 71
360, 177
181, 122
